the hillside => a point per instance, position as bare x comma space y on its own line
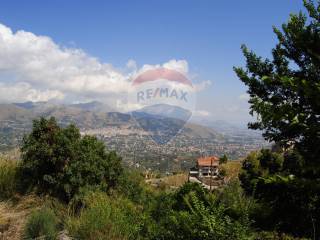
86, 116
180, 142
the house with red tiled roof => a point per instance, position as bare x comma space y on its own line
206, 167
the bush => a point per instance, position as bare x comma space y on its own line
106, 218
131, 184
275, 236
60, 162
8, 183
41, 223
193, 213
286, 202
235, 201
259, 164
203, 221
183, 191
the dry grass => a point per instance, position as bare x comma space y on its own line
13, 154
169, 182
176, 180
7, 177
14, 215
232, 168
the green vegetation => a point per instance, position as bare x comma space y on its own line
285, 96
8, 178
106, 217
223, 159
41, 223
286, 203
284, 91
85, 191
60, 162
114, 203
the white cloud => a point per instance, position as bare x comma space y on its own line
178, 65
21, 92
35, 68
37, 60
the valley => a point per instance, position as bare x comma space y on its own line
122, 133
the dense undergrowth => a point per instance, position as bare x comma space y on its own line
134, 210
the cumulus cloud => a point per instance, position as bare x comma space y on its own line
35, 68
38, 61
21, 92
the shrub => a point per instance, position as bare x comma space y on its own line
275, 236
286, 202
41, 223
106, 218
184, 190
203, 221
131, 184
8, 184
235, 201
60, 162
193, 213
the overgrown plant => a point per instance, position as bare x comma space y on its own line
8, 178
41, 224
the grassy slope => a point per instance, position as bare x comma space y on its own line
232, 168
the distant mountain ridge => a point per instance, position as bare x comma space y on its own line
95, 115
162, 121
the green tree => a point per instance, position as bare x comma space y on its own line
60, 162
223, 159
285, 91
285, 98
270, 161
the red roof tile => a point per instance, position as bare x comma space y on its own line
208, 161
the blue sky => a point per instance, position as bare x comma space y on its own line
206, 34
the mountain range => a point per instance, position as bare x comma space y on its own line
16, 119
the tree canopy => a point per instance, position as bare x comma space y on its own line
285, 91
60, 162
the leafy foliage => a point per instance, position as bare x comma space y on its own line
285, 91
60, 162
285, 96
235, 201
131, 185
192, 213
286, 203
